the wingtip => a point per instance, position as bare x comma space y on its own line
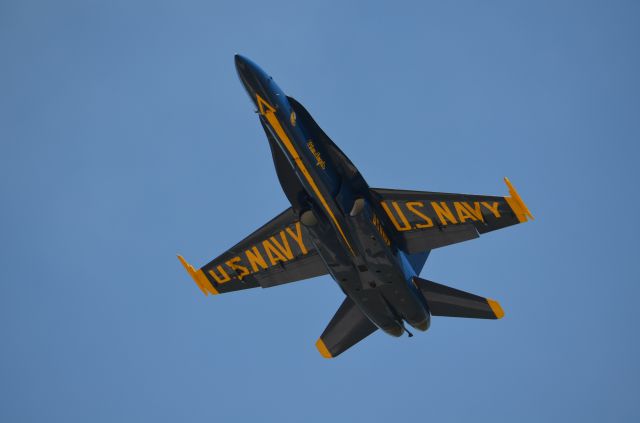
496, 308
516, 203
189, 268
198, 276
322, 348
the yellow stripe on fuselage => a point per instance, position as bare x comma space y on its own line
269, 112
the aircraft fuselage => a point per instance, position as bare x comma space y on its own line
338, 211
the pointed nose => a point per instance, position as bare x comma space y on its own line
241, 62
250, 74
258, 83
247, 70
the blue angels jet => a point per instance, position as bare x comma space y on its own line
373, 242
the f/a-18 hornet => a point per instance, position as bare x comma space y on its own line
372, 241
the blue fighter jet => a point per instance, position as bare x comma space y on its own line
373, 242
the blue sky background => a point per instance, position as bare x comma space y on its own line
126, 138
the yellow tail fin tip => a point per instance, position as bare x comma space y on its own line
496, 308
322, 348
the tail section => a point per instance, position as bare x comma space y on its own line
348, 327
450, 302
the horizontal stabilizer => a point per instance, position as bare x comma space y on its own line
450, 302
347, 327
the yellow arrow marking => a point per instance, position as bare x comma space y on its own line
269, 112
263, 106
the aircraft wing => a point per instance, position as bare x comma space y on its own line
277, 253
428, 220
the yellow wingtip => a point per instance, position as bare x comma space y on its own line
199, 277
496, 308
517, 205
184, 262
324, 351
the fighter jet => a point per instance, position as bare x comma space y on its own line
373, 242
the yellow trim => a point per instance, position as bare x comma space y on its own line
517, 205
268, 111
199, 277
496, 308
324, 351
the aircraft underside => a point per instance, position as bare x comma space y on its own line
373, 242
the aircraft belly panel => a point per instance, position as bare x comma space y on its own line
374, 279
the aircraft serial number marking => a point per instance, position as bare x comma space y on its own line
267, 253
410, 215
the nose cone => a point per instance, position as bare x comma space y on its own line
253, 78
259, 84
243, 68
241, 62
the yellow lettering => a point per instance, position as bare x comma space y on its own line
476, 210
406, 226
224, 278
255, 258
443, 212
274, 255
463, 212
240, 270
284, 248
297, 237
378, 225
493, 208
319, 161
411, 205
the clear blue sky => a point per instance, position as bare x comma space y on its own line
127, 138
